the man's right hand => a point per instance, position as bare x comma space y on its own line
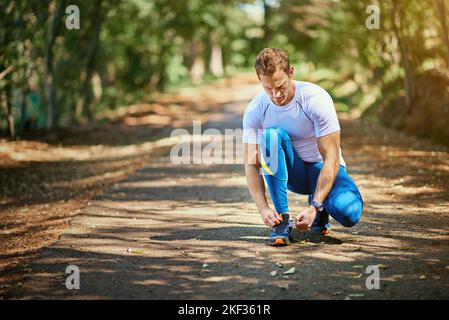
270, 217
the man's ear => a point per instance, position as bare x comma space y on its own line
291, 72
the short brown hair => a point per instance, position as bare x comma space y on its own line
270, 59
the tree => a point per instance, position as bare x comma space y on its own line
398, 22
97, 18
441, 8
49, 76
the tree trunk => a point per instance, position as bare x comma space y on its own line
216, 58
405, 60
49, 77
196, 61
161, 71
441, 8
4, 98
267, 34
91, 59
23, 74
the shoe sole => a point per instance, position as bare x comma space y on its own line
277, 242
322, 233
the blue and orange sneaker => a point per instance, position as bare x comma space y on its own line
320, 225
280, 235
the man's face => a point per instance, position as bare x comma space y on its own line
278, 86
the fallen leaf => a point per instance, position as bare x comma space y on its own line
422, 277
290, 271
205, 265
358, 276
273, 273
356, 295
357, 266
285, 277
135, 251
283, 286
280, 265
381, 266
337, 293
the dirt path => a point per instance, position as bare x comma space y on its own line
183, 217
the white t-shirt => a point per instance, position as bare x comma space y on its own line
309, 115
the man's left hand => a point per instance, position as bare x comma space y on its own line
305, 218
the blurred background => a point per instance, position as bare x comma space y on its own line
83, 107
125, 50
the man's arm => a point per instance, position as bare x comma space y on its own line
256, 185
329, 147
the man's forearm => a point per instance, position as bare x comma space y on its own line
326, 179
256, 186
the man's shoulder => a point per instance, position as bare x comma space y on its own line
308, 89
257, 103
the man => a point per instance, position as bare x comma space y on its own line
291, 134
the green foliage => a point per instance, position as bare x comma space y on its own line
151, 45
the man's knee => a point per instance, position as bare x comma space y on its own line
348, 207
352, 219
275, 132
272, 140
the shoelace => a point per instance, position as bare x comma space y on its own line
282, 227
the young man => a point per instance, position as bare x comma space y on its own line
291, 131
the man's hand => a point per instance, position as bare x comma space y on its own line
305, 218
270, 217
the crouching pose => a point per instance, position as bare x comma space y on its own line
291, 131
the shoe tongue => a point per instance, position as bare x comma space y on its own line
285, 221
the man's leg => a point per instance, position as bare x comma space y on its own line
282, 169
344, 202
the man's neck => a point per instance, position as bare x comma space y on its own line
292, 91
